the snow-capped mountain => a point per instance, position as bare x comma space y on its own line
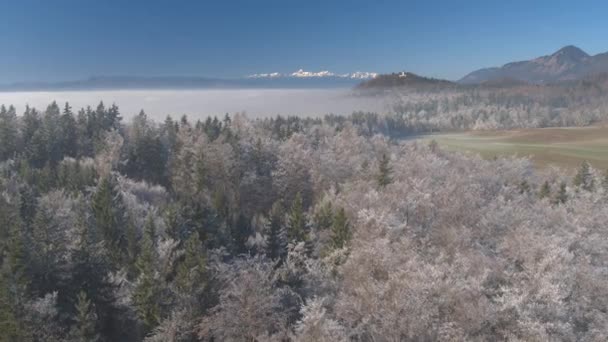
301, 73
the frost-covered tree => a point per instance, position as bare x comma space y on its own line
584, 178
384, 171
146, 294
85, 328
250, 304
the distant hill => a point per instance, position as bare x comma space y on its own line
566, 64
404, 80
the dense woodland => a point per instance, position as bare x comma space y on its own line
487, 107
289, 229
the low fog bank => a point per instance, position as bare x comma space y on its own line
202, 103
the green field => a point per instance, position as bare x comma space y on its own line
563, 147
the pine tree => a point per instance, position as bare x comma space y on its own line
13, 281
276, 243
132, 245
296, 222
37, 150
172, 221
85, 329
11, 329
385, 171
191, 272
30, 124
324, 216
113, 117
53, 134
169, 131
15, 262
200, 172
340, 229
90, 267
47, 250
545, 190
221, 204
584, 178
69, 132
562, 194
108, 213
241, 231
8, 132
145, 296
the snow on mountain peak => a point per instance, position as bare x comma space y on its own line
301, 73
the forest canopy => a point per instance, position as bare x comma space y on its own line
293, 229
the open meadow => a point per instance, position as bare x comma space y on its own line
563, 147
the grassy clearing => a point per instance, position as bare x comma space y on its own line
563, 147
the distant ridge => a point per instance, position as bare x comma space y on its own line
181, 82
405, 80
567, 64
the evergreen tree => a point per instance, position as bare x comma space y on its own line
53, 135
8, 132
30, 124
90, 271
38, 149
524, 187
324, 216
584, 177
109, 216
545, 190
146, 155
385, 171
191, 275
340, 229
276, 243
562, 194
200, 172
85, 134
296, 222
221, 204
69, 132
241, 231
85, 329
13, 280
48, 250
132, 244
147, 290
113, 117
15, 262
11, 329
173, 222
169, 132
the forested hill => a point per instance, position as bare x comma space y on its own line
286, 229
405, 80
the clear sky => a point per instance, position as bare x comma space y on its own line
51, 40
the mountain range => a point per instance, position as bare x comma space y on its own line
569, 63
298, 79
566, 64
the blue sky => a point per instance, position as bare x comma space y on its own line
70, 39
